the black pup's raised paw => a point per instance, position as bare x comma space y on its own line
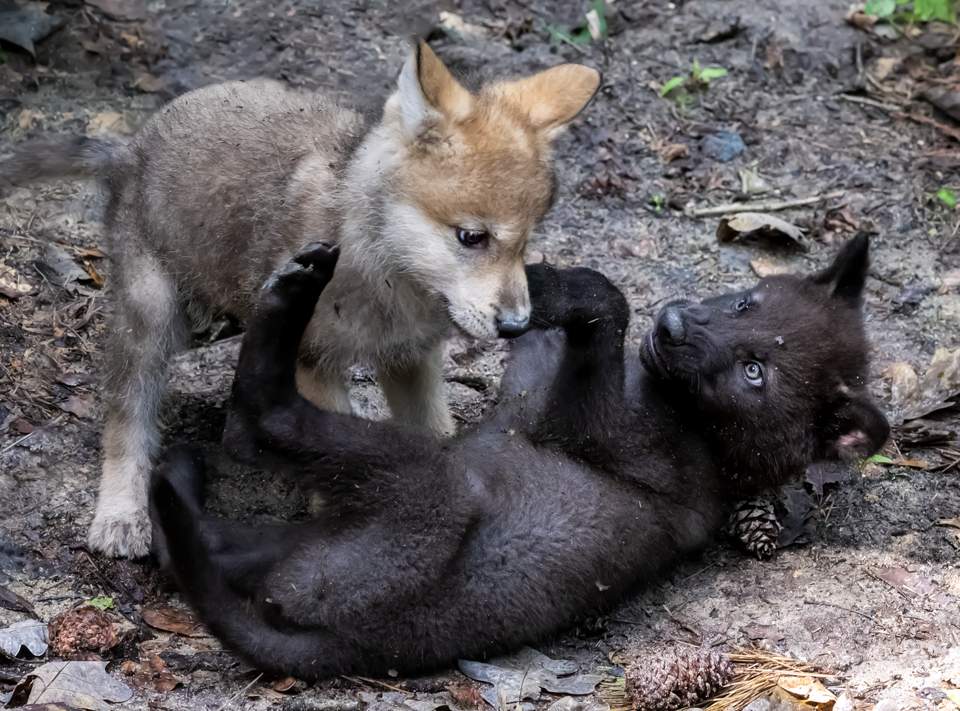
307, 274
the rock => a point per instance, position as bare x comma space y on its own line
722, 146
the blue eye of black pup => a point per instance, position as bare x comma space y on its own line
753, 372
741, 305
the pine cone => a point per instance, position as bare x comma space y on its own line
686, 681
83, 634
754, 525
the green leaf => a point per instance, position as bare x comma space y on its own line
880, 8
947, 196
879, 459
671, 85
712, 73
945, 10
104, 603
953, 695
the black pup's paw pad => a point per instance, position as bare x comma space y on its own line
321, 257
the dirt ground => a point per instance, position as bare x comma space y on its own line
871, 589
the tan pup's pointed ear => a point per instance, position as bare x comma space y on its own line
427, 91
553, 98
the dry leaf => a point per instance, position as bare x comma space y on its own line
171, 619
623, 248
949, 282
757, 631
774, 56
764, 267
108, 122
730, 227
913, 396
908, 583
29, 634
149, 83
670, 151
11, 601
82, 684
80, 405
808, 689
953, 522
283, 685
12, 284
152, 674
94, 274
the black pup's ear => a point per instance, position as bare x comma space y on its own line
856, 429
848, 273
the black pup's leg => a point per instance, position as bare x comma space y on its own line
271, 425
243, 554
585, 405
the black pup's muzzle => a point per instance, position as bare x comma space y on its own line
668, 329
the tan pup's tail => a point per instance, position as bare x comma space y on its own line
62, 157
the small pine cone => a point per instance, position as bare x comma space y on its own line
681, 683
754, 525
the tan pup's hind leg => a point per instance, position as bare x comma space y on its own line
416, 395
150, 327
325, 391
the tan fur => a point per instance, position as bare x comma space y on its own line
225, 184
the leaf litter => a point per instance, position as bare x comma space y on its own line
30, 635
85, 685
521, 676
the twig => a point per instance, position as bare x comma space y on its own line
225, 703
764, 206
381, 683
868, 102
845, 609
30, 434
949, 130
702, 570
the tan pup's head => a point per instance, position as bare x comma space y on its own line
471, 176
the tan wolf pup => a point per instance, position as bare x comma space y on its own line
432, 209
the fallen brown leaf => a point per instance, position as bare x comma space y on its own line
670, 151
149, 83
80, 405
808, 689
152, 673
953, 522
171, 619
764, 267
283, 685
732, 226
12, 284
757, 631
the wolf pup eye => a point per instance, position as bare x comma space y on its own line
741, 305
753, 372
472, 238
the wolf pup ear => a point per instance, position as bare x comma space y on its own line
427, 91
857, 429
554, 98
848, 273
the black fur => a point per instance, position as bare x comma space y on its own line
586, 481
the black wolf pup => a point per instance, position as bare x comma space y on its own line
586, 482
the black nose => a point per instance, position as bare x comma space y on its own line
510, 325
671, 325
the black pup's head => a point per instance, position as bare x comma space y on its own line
780, 369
